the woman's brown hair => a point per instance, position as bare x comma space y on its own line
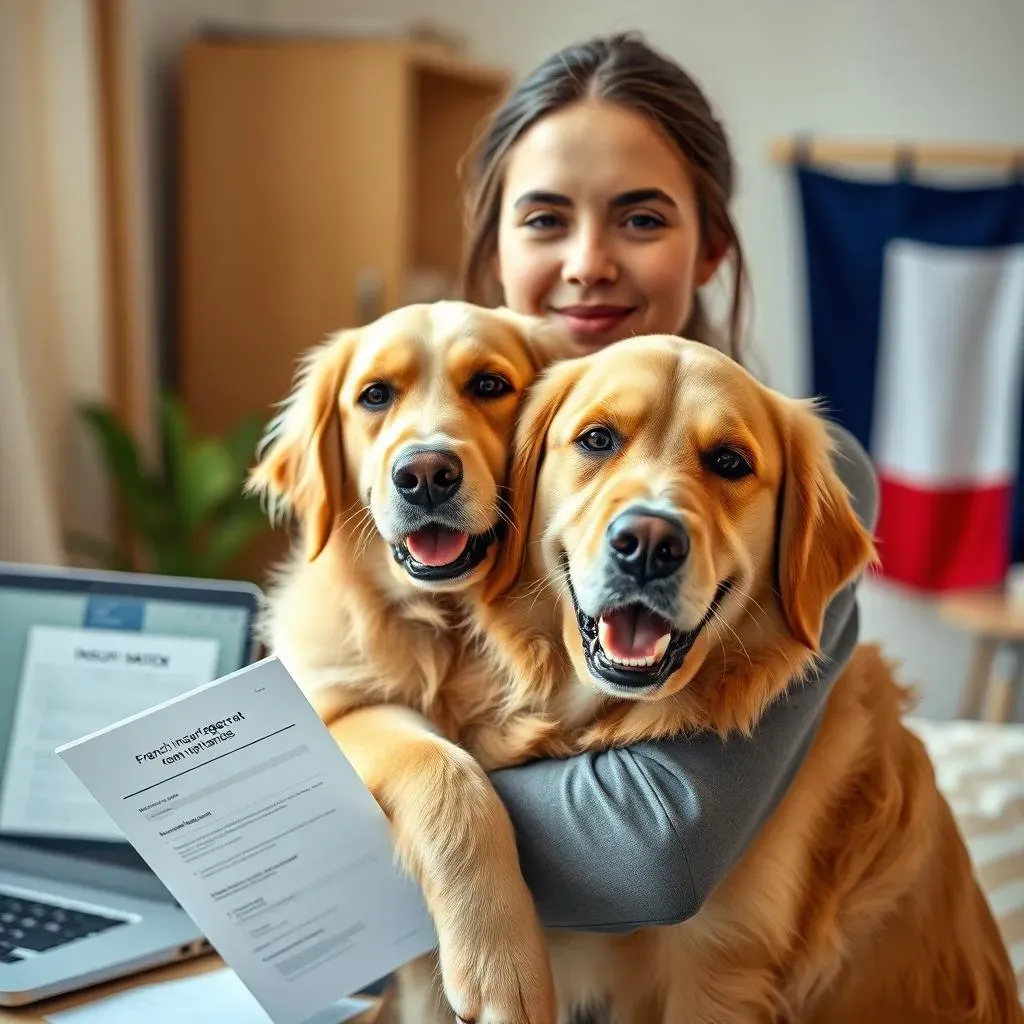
624, 70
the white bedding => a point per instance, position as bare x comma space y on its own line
980, 769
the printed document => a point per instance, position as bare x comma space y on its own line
75, 681
241, 802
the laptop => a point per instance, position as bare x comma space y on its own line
78, 651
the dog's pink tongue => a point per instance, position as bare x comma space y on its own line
436, 545
632, 632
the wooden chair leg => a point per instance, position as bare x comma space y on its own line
1013, 705
977, 682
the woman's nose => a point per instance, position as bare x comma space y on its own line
589, 260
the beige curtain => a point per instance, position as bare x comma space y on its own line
52, 351
28, 520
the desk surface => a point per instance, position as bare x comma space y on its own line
34, 1014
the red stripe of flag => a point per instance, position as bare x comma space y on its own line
944, 538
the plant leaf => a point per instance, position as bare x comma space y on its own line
241, 443
193, 515
178, 560
143, 493
174, 422
209, 479
232, 534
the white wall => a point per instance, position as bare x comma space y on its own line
905, 69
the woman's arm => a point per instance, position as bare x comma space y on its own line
621, 839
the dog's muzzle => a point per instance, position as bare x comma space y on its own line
632, 643
439, 554
433, 544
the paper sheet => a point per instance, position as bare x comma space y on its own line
76, 681
241, 802
214, 996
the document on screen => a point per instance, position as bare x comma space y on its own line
73, 682
241, 802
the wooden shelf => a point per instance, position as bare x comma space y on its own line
310, 170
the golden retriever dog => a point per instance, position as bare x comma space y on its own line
392, 453
676, 532
680, 531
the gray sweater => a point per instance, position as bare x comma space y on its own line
617, 840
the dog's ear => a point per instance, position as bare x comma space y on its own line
528, 449
822, 545
546, 342
300, 465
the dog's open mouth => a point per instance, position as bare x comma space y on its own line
634, 647
438, 553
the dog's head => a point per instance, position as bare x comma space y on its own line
406, 422
685, 507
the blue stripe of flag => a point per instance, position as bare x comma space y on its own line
847, 225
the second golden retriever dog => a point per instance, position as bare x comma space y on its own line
677, 531
392, 453
681, 531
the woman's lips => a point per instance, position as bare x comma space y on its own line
593, 319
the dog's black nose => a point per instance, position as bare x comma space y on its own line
647, 545
427, 476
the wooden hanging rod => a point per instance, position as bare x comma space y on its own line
920, 154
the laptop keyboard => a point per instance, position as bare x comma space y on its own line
28, 927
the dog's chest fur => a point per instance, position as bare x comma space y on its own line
353, 635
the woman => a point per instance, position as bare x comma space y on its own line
601, 199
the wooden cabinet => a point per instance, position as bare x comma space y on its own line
318, 184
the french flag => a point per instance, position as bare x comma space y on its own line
916, 302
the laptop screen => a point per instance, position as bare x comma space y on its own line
80, 651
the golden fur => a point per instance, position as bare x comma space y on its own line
385, 658
855, 903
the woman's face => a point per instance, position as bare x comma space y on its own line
599, 226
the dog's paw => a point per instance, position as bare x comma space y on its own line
498, 976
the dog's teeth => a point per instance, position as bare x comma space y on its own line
661, 647
603, 642
627, 662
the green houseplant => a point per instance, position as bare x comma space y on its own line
189, 516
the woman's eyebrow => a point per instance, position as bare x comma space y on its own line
540, 197
642, 195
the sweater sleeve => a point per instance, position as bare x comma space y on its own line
622, 839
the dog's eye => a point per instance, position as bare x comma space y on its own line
728, 463
488, 385
597, 439
376, 396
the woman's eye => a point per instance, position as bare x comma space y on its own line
543, 222
376, 396
488, 385
599, 440
728, 463
645, 221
